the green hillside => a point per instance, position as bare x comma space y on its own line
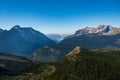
78, 64
13, 65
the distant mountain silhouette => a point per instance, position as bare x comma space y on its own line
56, 37
22, 41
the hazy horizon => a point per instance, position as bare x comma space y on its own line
59, 16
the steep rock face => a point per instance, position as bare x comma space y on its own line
22, 41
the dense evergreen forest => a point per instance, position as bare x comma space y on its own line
79, 64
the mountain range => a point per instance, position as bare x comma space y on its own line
88, 54
22, 41
102, 37
25, 41
101, 30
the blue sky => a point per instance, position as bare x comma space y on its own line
59, 16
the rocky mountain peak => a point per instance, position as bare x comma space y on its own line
101, 27
108, 28
86, 30
104, 28
16, 27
